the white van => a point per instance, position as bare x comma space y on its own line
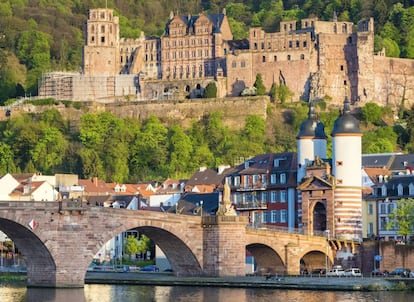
353, 272
336, 272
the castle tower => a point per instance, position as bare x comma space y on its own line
346, 168
311, 141
101, 50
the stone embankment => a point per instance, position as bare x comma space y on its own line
303, 283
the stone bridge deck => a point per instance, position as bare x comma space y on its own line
59, 240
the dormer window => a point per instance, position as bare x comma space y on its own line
411, 189
123, 188
400, 189
384, 191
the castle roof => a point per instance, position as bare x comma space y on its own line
190, 20
346, 123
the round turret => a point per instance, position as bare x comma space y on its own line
346, 123
312, 127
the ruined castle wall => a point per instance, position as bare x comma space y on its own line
183, 111
333, 66
391, 77
365, 69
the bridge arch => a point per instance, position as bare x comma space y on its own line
183, 251
313, 258
268, 260
36, 255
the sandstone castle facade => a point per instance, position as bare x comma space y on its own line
316, 59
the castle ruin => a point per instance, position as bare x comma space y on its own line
314, 59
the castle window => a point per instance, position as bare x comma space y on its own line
275, 58
233, 64
102, 29
92, 28
345, 82
264, 59
305, 44
350, 40
254, 33
290, 44
102, 39
262, 45
344, 28
339, 163
269, 45
255, 46
342, 67
93, 39
297, 43
102, 15
243, 64
288, 57
302, 57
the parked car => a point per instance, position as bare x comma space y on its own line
149, 268
317, 272
353, 272
377, 272
402, 272
336, 272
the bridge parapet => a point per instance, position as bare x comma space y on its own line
215, 220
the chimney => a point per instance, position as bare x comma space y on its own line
95, 181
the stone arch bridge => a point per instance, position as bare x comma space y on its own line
58, 241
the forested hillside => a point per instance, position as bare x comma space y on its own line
44, 35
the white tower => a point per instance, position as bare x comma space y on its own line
311, 142
346, 167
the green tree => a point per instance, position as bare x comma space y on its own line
33, 48
149, 150
92, 165
144, 244
6, 159
402, 218
260, 87
372, 113
49, 150
211, 90
180, 149
280, 93
131, 245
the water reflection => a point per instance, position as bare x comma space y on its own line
126, 293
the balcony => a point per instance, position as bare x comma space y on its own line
247, 206
250, 187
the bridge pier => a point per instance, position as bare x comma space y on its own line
224, 246
292, 259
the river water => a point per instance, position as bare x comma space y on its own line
138, 293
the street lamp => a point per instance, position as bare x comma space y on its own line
327, 251
201, 205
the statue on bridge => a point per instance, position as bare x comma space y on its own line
225, 207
